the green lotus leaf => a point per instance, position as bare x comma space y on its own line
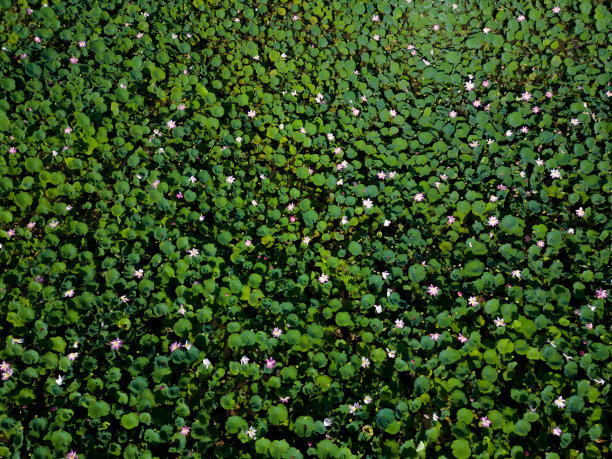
98, 409
474, 268
277, 415
466, 416
129, 421
61, 440
355, 248
461, 449
384, 418
235, 424
575, 404
304, 426
417, 273
522, 427
326, 449
552, 357
33, 165
449, 356
343, 319
224, 238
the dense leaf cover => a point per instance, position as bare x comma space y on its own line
305, 229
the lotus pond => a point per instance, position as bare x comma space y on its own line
290, 229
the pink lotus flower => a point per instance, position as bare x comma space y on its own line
179, 195
72, 356
5, 366
580, 212
82, 44
355, 111
67, 130
462, 338
139, 273
526, 96
69, 293
270, 363
452, 114
433, 290
493, 221
73, 60
521, 18
323, 278
251, 114
589, 326
451, 219
485, 83
277, 332
469, 86
171, 124
499, 322
485, 422
72, 455
434, 336
185, 430
155, 184
12, 150
7, 374
419, 197
248, 242
556, 10
601, 294
557, 431
37, 39
175, 346
560, 402
116, 344
541, 243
